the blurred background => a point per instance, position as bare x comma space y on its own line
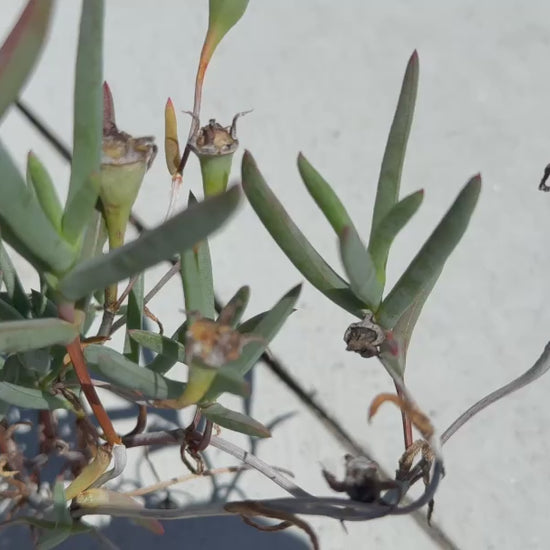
323, 78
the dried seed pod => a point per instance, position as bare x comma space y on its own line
365, 337
124, 161
361, 482
215, 145
214, 344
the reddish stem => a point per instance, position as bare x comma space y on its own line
205, 439
48, 431
407, 426
74, 350
206, 54
66, 312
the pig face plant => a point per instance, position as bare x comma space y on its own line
54, 353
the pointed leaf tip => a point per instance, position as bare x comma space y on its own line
44, 189
21, 49
180, 232
223, 16
389, 181
292, 241
88, 121
324, 195
108, 107
233, 420
425, 268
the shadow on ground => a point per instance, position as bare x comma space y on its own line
203, 533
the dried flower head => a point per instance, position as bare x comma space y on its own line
124, 161
365, 337
214, 139
214, 344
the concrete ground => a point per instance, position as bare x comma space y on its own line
323, 78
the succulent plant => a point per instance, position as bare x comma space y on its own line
53, 355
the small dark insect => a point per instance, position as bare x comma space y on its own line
545, 176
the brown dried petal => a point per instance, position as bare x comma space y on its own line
420, 420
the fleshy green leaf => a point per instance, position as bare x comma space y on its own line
222, 16
37, 360
15, 372
292, 241
13, 285
250, 324
196, 275
388, 228
431, 258
179, 232
387, 193
233, 311
94, 237
24, 224
42, 306
21, 49
197, 296
199, 380
51, 538
134, 318
80, 208
8, 312
227, 381
204, 268
30, 398
61, 512
88, 121
267, 328
122, 372
168, 351
45, 191
159, 344
16, 336
360, 269
233, 420
324, 196
403, 329
265, 325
